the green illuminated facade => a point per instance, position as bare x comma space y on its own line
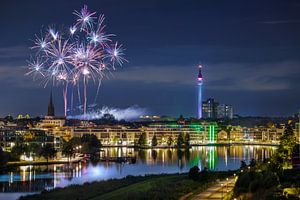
212, 136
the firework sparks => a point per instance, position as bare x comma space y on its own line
85, 52
85, 18
115, 54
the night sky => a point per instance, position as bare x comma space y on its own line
250, 51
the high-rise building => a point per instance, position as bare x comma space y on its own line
225, 111
199, 82
210, 109
51, 107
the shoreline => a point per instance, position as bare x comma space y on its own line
36, 163
194, 145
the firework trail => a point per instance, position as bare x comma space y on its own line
81, 53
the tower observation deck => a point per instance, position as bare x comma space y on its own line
200, 83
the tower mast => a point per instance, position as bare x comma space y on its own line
200, 83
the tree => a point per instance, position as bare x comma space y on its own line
154, 141
34, 149
287, 144
228, 131
243, 164
187, 140
180, 140
48, 151
252, 163
108, 119
3, 157
18, 150
9, 118
90, 144
75, 141
142, 140
194, 173
68, 149
170, 141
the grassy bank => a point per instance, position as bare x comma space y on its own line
171, 186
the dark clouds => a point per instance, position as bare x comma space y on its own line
250, 52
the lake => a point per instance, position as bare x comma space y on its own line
30, 179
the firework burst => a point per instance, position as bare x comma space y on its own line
85, 51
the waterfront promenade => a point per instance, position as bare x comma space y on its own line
218, 191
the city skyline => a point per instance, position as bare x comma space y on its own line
250, 58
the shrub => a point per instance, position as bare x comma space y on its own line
194, 173
243, 182
255, 185
270, 180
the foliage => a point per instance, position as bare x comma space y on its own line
34, 149
287, 144
252, 181
194, 173
3, 157
48, 151
90, 144
180, 140
252, 163
152, 187
169, 141
154, 141
243, 165
142, 140
265, 180
18, 150
68, 149
187, 139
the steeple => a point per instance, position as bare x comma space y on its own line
51, 106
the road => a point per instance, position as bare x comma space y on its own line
217, 191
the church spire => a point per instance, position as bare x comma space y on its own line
51, 106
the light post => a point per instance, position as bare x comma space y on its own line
222, 190
226, 184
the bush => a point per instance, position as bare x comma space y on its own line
194, 173
242, 184
270, 180
255, 185
4, 156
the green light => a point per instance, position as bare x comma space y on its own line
197, 127
211, 136
173, 125
195, 161
212, 158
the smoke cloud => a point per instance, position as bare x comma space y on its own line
128, 114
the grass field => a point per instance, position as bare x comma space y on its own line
163, 186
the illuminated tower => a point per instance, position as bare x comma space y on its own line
200, 82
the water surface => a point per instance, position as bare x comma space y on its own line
30, 179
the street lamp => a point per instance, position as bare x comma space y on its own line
222, 190
226, 184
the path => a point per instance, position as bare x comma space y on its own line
217, 191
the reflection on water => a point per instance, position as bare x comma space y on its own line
150, 161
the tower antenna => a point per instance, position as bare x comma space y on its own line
199, 83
